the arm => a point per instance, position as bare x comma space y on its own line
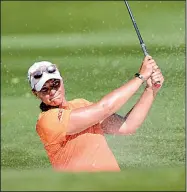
112, 124
117, 124
139, 112
82, 118
133, 119
141, 109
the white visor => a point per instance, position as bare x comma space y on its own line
38, 83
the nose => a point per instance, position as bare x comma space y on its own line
52, 92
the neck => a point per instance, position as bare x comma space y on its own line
64, 103
45, 107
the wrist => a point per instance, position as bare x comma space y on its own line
150, 91
140, 81
140, 76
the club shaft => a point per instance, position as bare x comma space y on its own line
142, 44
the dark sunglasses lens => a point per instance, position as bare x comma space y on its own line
51, 69
56, 83
37, 75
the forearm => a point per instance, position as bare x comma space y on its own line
114, 100
137, 115
84, 117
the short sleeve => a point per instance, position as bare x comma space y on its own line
77, 103
86, 102
52, 125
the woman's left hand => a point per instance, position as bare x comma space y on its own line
155, 77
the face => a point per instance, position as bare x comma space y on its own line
52, 92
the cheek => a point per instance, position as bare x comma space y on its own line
62, 90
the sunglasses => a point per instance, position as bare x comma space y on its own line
54, 85
38, 74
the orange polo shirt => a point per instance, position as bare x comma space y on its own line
84, 151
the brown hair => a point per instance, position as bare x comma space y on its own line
45, 107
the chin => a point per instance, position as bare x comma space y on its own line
56, 102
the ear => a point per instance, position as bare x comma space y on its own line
34, 92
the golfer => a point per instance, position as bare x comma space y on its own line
73, 132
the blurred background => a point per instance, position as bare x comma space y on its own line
97, 50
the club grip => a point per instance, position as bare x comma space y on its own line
157, 84
144, 49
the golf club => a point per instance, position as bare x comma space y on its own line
142, 44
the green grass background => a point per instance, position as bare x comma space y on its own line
97, 50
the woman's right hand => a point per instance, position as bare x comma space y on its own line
148, 67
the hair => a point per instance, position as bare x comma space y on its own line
45, 107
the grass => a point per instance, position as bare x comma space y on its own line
161, 179
98, 54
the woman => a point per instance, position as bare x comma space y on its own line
73, 131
